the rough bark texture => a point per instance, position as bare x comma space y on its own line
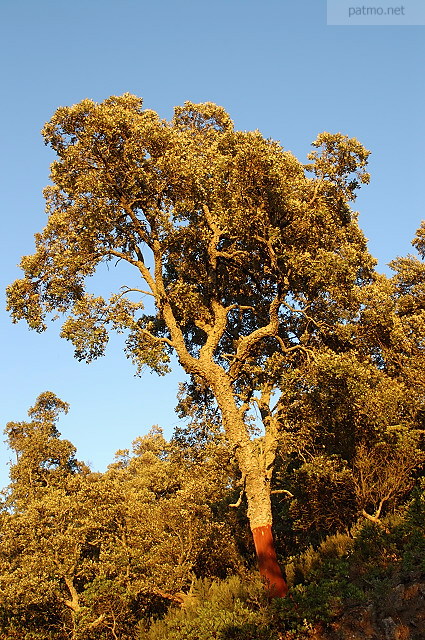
267, 562
255, 466
73, 604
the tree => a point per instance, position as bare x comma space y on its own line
248, 261
43, 459
43, 526
385, 471
361, 407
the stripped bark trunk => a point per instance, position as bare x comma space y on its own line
260, 520
267, 562
256, 471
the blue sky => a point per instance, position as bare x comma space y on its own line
274, 65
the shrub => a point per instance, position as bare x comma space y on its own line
299, 567
231, 609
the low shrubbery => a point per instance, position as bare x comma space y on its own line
344, 572
232, 609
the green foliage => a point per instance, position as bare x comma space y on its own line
321, 600
233, 609
94, 553
321, 583
324, 501
411, 533
300, 567
345, 571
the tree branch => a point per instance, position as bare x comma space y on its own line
73, 604
238, 501
284, 491
215, 333
130, 289
156, 338
247, 342
96, 622
216, 233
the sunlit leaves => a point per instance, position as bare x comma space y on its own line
146, 350
206, 116
208, 205
86, 328
91, 319
84, 551
341, 161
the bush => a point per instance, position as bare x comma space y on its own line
321, 585
299, 567
231, 609
325, 501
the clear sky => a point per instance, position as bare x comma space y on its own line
275, 65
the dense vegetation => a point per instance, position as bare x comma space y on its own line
153, 549
305, 407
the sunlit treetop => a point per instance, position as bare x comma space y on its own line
214, 220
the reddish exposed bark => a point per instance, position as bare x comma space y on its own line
267, 562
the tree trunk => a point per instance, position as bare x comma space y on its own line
256, 469
267, 562
260, 519
73, 604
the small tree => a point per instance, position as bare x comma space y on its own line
44, 527
384, 472
43, 459
248, 261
